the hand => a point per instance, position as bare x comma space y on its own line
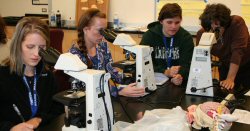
132, 91
177, 79
190, 113
225, 121
139, 115
23, 127
174, 70
34, 121
228, 84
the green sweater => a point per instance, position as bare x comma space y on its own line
182, 48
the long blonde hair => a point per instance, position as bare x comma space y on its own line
24, 27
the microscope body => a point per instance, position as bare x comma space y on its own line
98, 107
200, 80
144, 66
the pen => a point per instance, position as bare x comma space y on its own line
18, 112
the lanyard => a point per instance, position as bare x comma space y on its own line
169, 57
32, 98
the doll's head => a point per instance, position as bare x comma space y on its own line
213, 115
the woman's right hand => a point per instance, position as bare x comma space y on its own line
132, 91
22, 127
177, 79
34, 121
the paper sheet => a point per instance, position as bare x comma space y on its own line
242, 115
248, 93
160, 78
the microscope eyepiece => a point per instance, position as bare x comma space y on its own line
109, 35
49, 55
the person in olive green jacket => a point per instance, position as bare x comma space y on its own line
173, 45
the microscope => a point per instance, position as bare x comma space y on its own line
88, 104
144, 67
90, 108
200, 80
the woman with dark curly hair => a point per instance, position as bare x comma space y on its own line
232, 47
4, 42
93, 50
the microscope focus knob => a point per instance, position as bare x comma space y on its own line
89, 122
193, 89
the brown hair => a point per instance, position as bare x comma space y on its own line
170, 10
215, 12
86, 20
24, 27
3, 37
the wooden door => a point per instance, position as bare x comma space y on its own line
83, 5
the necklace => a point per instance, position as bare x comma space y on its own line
30, 79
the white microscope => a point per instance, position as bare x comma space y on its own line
85, 109
200, 80
99, 110
144, 66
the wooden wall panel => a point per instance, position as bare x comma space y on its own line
82, 5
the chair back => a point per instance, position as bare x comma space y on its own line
56, 39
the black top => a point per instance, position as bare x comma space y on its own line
14, 91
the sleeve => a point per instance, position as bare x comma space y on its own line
114, 90
115, 75
4, 124
76, 51
53, 108
239, 41
186, 53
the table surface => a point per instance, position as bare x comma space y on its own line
167, 96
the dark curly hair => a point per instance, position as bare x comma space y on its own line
85, 20
214, 12
170, 10
3, 37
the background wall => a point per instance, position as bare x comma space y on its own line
191, 10
130, 12
133, 12
67, 8
20, 7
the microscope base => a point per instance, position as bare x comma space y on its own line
72, 128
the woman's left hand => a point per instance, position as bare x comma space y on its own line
34, 121
228, 84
